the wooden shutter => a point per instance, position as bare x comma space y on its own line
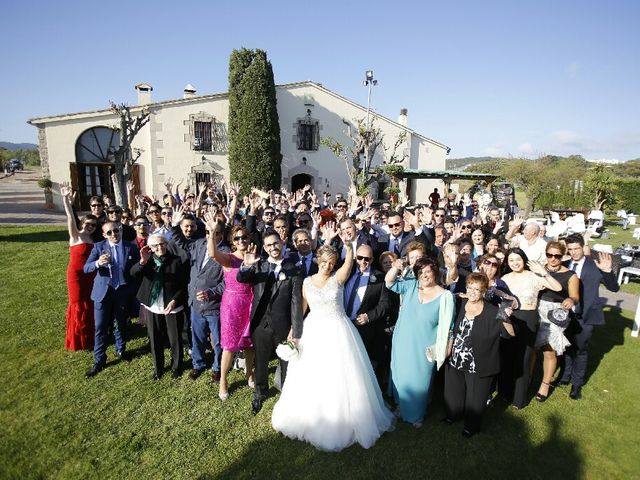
74, 173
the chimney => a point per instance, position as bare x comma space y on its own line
402, 118
189, 91
144, 93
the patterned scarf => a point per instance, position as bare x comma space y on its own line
158, 278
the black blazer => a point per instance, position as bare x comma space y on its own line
277, 300
485, 337
375, 304
175, 280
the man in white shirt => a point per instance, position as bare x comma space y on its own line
529, 240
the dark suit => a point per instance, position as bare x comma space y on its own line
205, 316
375, 303
588, 313
276, 309
173, 289
407, 237
308, 268
110, 303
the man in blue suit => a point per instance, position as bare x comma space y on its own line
592, 272
113, 291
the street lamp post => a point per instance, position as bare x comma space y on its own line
369, 82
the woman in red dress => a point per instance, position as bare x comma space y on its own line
80, 325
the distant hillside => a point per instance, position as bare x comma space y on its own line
460, 163
18, 146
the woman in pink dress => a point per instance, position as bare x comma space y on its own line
235, 307
80, 326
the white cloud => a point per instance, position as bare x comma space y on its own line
526, 148
567, 138
493, 151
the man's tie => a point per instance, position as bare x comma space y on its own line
393, 246
115, 267
304, 260
574, 266
353, 293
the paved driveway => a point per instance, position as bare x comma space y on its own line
22, 201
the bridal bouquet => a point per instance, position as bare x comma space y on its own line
287, 351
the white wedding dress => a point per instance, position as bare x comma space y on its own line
331, 397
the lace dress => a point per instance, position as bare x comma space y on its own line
331, 398
550, 333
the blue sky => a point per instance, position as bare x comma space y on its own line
485, 78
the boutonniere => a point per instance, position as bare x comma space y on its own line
372, 279
282, 276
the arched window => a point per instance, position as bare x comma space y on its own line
97, 145
90, 173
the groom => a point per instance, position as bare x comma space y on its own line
276, 311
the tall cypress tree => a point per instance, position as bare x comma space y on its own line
254, 131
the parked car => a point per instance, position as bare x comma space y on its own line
15, 164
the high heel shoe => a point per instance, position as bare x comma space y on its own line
223, 395
543, 398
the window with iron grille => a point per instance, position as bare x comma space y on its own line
308, 134
202, 136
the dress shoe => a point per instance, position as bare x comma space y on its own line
215, 377
123, 356
576, 393
256, 405
467, 434
93, 371
176, 373
560, 383
447, 420
155, 376
195, 373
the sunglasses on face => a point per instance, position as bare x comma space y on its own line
269, 213
96, 205
167, 213
341, 207
154, 211
393, 225
112, 232
490, 264
113, 211
467, 227
455, 215
141, 224
241, 237
557, 256
366, 259
438, 215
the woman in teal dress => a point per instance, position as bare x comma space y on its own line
421, 336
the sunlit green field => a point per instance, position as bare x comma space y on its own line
54, 423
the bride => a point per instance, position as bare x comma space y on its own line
331, 398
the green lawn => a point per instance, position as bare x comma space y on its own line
54, 423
